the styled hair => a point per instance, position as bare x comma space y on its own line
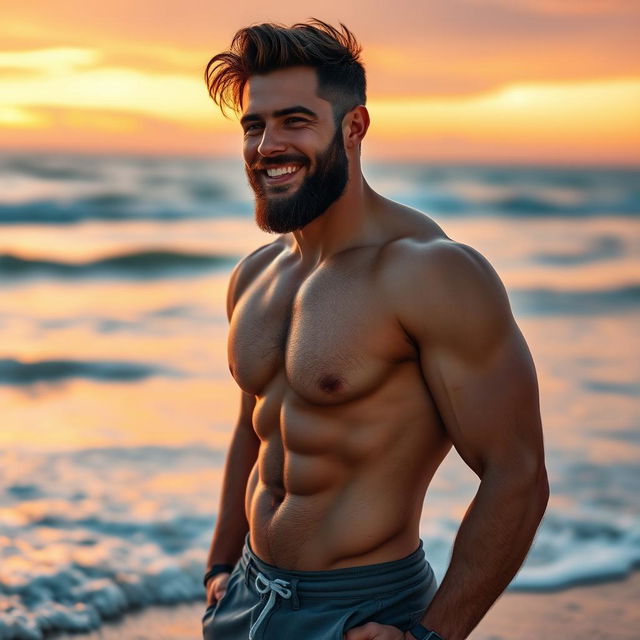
262, 48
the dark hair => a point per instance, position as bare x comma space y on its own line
259, 49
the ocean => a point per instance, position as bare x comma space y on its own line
117, 403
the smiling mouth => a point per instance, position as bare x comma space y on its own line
281, 174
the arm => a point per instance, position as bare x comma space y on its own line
231, 524
480, 372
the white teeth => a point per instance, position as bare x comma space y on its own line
274, 173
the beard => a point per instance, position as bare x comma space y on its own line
318, 191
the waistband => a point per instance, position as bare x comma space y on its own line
349, 582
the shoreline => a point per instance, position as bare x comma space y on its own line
601, 611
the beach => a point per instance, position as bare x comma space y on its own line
599, 612
118, 404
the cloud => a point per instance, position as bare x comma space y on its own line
585, 122
51, 60
567, 7
100, 130
437, 70
588, 123
72, 78
437, 47
574, 111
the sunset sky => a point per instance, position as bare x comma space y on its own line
449, 80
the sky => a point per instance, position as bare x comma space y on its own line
523, 81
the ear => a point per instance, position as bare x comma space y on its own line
354, 126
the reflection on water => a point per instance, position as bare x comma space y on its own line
118, 405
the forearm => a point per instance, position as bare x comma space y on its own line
231, 524
491, 545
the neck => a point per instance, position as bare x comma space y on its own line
351, 221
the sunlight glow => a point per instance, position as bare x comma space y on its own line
17, 117
67, 94
575, 110
66, 82
52, 60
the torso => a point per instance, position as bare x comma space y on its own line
350, 436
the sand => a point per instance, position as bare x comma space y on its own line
597, 612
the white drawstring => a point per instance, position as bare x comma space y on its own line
263, 585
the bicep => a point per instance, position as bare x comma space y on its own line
475, 361
489, 404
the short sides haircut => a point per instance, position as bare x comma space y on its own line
260, 49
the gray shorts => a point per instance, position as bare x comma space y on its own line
263, 602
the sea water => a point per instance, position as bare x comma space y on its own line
117, 403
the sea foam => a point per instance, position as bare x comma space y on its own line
85, 541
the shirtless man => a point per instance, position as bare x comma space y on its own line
365, 343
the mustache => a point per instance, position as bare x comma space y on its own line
265, 163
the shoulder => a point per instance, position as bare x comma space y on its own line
444, 262
446, 292
424, 251
250, 267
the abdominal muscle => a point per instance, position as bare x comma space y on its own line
347, 494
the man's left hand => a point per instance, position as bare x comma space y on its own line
375, 631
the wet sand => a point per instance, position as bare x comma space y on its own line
607, 611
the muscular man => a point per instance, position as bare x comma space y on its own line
365, 343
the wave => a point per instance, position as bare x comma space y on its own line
92, 543
520, 206
546, 301
516, 192
618, 388
73, 189
584, 549
16, 373
102, 531
49, 168
604, 247
108, 207
157, 322
541, 206
198, 202
139, 264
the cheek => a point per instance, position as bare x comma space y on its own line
250, 147
310, 142
247, 153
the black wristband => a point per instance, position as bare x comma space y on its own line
422, 633
215, 570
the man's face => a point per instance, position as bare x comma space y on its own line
294, 154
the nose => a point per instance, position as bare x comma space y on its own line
271, 142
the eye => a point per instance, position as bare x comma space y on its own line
294, 120
252, 128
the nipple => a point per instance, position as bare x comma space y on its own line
330, 383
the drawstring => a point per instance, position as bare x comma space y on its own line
263, 585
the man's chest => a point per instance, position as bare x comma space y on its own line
330, 334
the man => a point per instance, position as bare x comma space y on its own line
365, 343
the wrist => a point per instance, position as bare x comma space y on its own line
215, 570
420, 632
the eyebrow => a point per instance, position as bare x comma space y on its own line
253, 117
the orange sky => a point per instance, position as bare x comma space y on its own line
449, 80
